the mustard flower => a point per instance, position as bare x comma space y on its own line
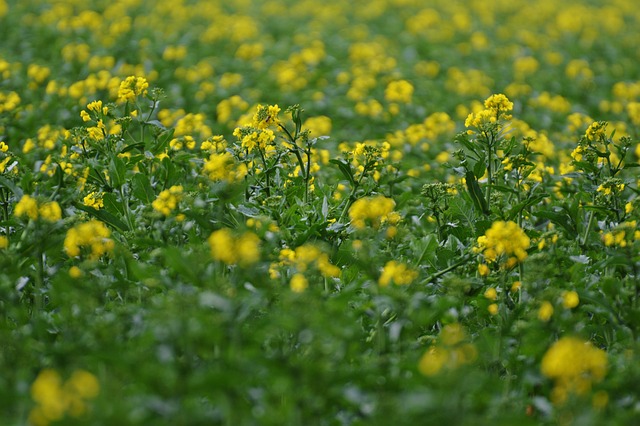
574, 365
27, 206
55, 399
93, 235
222, 167
131, 87
504, 239
451, 351
266, 116
94, 199
375, 210
231, 249
167, 201
545, 312
398, 273
298, 283
399, 91
570, 299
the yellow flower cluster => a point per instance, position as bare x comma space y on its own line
93, 199
31, 208
54, 398
95, 107
398, 273
574, 365
374, 210
624, 234
496, 107
504, 239
8, 101
399, 91
266, 116
168, 200
131, 87
221, 167
450, 352
302, 258
251, 137
93, 234
596, 131
611, 186
231, 249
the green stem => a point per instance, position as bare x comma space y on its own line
489, 171
125, 205
438, 274
39, 282
588, 229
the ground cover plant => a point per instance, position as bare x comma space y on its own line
280, 212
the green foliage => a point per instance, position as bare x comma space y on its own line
177, 246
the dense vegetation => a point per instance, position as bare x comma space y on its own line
346, 213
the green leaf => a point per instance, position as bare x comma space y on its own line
117, 171
476, 193
345, 168
142, 189
17, 191
515, 210
104, 216
561, 219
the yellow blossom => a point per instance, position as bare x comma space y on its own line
131, 87
93, 235
545, 311
504, 239
298, 283
27, 206
574, 365
375, 210
398, 273
231, 249
167, 201
570, 299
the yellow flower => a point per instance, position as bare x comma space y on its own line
4, 242
491, 293
483, 269
570, 299
432, 362
493, 309
167, 201
376, 210
93, 235
266, 116
230, 249
27, 206
50, 211
131, 87
75, 272
498, 102
399, 91
574, 365
398, 273
55, 399
298, 283
504, 239
545, 311
94, 199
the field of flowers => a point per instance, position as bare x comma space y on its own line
291, 212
